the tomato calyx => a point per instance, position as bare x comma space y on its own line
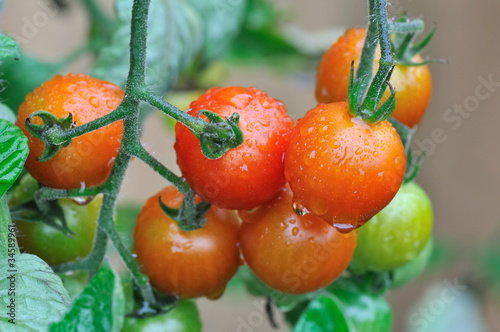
216, 142
413, 162
53, 216
403, 44
190, 216
50, 132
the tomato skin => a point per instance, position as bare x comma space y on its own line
413, 83
186, 264
291, 253
397, 234
341, 168
88, 160
53, 246
183, 318
250, 174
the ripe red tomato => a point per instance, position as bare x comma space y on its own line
250, 174
88, 160
186, 264
341, 168
291, 253
413, 83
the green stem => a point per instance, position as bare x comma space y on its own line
152, 162
378, 11
196, 125
47, 194
118, 114
90, 263
138, 45
414, 26
365, 67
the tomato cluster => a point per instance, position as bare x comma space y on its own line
288, 201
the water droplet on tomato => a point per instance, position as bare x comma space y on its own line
335, 144
295, 231
71, 88
358, 151
300, 209
94, 102
82, 200
83, 94
344, 228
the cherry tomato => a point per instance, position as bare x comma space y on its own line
413, 83
53, 246
88, 160
186, 264
341, 168
397, 234
250, 174
291, 253
183, 318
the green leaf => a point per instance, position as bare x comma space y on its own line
323, 314
7, 114
364, 311
174, 38
21, 77
9, 48
217, 37
13, 153
40, 297
100, 307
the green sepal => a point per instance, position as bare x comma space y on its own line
54, 217
215, 142
412, 166
386, 109
50, 132
186, 220
353, 95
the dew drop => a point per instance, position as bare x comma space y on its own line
300, 209
82, 200
295, 231
358, 151
71, 88
83, 94
266, 104
110, 104
94, 102
344, 228
335, 144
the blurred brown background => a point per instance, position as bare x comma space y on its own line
460, 174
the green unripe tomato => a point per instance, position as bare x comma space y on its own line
406, 273
53, 246
24, 191
397, 234
183, 318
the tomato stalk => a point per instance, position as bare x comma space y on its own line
363, 98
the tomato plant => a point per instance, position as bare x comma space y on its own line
186, 264
252, 187
397, 234
86, 99
250, 174
412, 82
341, 168
291, 253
